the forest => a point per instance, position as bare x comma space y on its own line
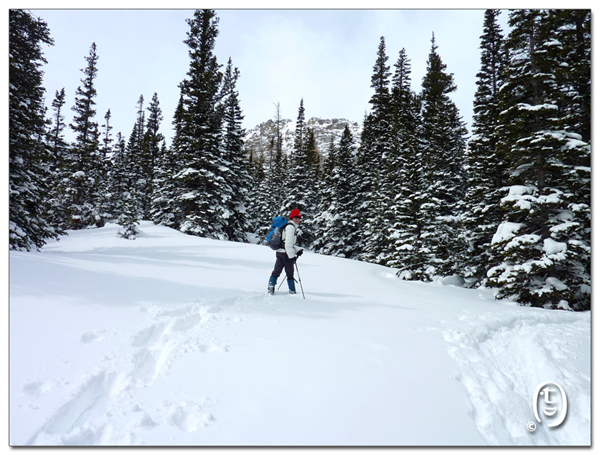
508, 206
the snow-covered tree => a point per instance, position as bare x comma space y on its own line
373, 153
338, 227
203, 191
486, 173
402, 179
300, 182
150, 151
83, 184
543, 240
165, 209
443, 133
59, 148
237, 166
29, 159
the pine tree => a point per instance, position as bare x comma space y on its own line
165, 208
29, 171
326, 192
402, 186
443, 134
85, 163
267, 197
238, 175
130, 216
117, 181
300, 183
57, 136
131, 168
374, 151
339, 233
106, 155
59, 150
200, 181
543, 237
151, 154
572, 29
295, 183
486, 171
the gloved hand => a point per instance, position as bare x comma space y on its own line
299, 253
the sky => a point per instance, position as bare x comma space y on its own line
323, 57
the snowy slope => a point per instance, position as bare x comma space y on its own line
171, 340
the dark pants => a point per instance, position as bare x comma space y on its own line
283, 261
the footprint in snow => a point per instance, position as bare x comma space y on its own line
189, 416
94, 335
37, 388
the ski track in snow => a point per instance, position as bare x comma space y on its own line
85, 419
500, 358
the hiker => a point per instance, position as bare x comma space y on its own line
286, 256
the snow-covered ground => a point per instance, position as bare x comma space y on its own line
172, 340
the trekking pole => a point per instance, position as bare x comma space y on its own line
300, 279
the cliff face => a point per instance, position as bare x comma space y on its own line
259, 139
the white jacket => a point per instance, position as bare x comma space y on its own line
289, 240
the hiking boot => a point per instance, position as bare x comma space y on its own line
292, 286
271, 287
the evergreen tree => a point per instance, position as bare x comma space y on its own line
374, 151
107, 139
237, 168
402, 186
85, 163
270, 176
130, 216
543, 239
151, 153
572, 29
132, 167
486, 171
256, 200
203, 190
326, 193
29, 171
106, 155
57, 136
165, 208
299, 183
443, 134
339, 230
59, 150
118, 180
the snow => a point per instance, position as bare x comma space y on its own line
172, 340
539, 107
506, 230
551, 246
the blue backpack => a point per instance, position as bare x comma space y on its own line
274, 239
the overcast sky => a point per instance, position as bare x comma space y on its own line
325, 57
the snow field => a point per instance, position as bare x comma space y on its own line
171, 340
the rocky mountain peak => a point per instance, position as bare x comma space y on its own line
260, 139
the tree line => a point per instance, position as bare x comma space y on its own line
508, 207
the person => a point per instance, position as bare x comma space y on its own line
286, 256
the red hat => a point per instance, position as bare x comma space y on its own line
295, 213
